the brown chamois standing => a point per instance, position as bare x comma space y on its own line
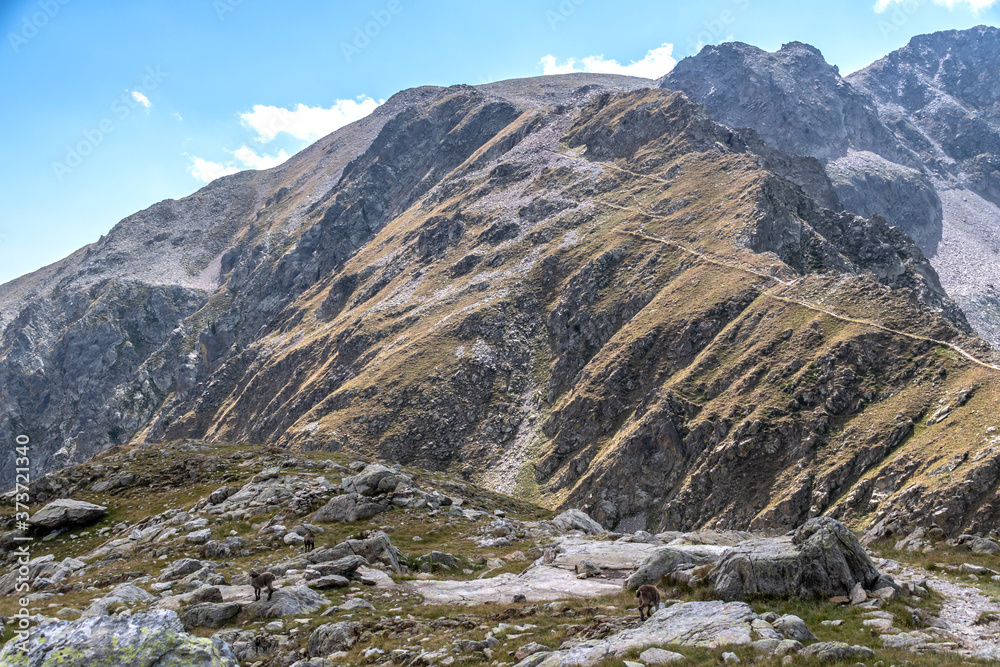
261, 580
649, 599
310, 542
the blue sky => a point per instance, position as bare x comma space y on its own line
110, 107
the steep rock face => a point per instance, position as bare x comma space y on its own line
81, 371
912, 138
792, 97
941, 94
574, 288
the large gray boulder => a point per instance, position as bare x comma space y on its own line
665, 560
837, 651
822, 558
67, 512
141, 640
577, 520
343, 567
286, 601
332, 637
179, 568
348, 508
375, 479
209, 614
376, 548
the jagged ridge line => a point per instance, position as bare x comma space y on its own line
803, 303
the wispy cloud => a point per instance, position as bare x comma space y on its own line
975, 5
252, 160
177, 116
141, 99
206, 171
305, 122
246, 158
656, 63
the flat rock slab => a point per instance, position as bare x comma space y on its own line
606, 555
695, 624
539, 584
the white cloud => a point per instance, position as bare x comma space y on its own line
177, 116
656, 63
974, 5
141, 99
252, 160
304, 122
206, 171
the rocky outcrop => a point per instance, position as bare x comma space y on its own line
209, 614
821, 559
574, 519
695, 624
669, 559
67, 512
911, 138
142, 640
286, 601
332, 637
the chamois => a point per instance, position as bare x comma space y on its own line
310, 542
649, 599
261, 580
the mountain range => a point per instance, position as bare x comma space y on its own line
743, 295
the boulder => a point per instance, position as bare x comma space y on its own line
375, 479
837, 651
286, 601
577, 520
344, 567
376, 548
793, 627
130, 593
209, 614
66, 512
355, 604
439, 559
220, 494
140, 640
666, 560
696, 624
179, 568
659, 656
529, 649
333, 637
293, 539
200, 536
982, 545
348, 508
330, 581
822, 558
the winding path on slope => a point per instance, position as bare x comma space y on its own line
769, 293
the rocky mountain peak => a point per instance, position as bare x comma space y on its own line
795, 100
